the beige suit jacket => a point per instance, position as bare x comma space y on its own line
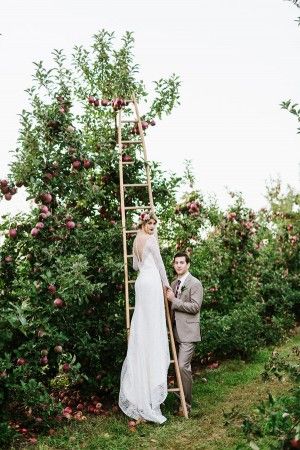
187, 310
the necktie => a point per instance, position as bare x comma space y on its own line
177, 288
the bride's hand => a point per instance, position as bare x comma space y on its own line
170, 294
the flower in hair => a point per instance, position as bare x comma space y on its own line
144, 216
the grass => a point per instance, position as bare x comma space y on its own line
234, 384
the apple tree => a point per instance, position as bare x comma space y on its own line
62, 318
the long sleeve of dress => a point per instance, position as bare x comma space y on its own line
135, 261
154, 249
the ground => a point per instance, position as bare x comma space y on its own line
235, 383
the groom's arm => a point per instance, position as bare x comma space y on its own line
193, 305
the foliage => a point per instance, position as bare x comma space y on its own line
277, 417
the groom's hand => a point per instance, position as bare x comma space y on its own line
170, 295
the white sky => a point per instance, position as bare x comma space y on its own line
237, 60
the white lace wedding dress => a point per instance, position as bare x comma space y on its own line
144, 373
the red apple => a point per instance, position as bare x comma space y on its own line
144, 125
39, 225
44, 360
70, 224
96, 102
86, 163
295, 443
52, 288
8, 196
21, 361
91, 99
152, 122
8, 259
3, 183
34, 232
5, 189
13, 232
44, 209
66, 367
118, 103
79, 407
47, 198
126, 158
194, 206
76, 164
58, 303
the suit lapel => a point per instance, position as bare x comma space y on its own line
185, 286
173, 284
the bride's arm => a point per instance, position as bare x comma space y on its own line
135, 262
154, 248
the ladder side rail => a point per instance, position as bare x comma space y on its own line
141, 133
123, 224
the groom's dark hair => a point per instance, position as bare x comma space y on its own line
181, 255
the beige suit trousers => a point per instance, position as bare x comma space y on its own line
185, 354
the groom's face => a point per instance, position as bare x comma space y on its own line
180, 265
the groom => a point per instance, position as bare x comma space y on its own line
186, 298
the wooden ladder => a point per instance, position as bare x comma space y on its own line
139, 140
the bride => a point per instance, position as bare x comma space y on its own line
144, 373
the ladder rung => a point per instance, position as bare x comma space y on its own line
127, 162
172, 361
173, 390
131, 281
137, 207
135, 185
131, 231
129, 256
131, 307
131, 142
128, 121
